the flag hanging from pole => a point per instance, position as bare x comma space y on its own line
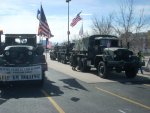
81, 30
43, 29
76, 20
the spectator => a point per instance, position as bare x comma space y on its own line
141, 57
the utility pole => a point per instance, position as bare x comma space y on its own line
68, 32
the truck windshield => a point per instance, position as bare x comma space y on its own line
109, 43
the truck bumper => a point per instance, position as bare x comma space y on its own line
124, 64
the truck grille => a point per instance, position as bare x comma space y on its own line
18, 56
122, 55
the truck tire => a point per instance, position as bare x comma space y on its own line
131, 73
102, 70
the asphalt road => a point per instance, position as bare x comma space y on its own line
67, 91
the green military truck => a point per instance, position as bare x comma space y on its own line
21, 59
103, 53
61, 52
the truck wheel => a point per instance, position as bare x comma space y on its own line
102, 70
131, 73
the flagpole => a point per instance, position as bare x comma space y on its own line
68, 32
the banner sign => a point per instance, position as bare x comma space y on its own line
20, 73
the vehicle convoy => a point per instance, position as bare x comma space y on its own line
103, 53
21, 59
61, 53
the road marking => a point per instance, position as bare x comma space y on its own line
124, 98
59, 109
147, 85
121, 111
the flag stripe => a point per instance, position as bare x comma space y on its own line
75, 21
44, 29
45, 25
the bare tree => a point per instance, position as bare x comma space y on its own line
128, 22
103, 25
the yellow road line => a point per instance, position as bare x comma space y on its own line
59, 109
124, 98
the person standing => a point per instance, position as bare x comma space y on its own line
141, 57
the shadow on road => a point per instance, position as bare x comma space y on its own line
28, 91
72, 83
52, 89
120, 77
19, 91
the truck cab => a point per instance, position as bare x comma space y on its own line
98, 43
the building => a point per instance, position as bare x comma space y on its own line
138, 41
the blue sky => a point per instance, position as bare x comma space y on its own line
19, 16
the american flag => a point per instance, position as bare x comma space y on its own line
43, 29
76, 20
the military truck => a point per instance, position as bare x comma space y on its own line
62, 52
21, 59
103, 53
53, 52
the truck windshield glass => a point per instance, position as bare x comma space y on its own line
20, 41
110, 43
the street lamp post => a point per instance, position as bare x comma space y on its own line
68, 32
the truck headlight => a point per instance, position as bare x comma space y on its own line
30, 53
115, 56
7, 53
